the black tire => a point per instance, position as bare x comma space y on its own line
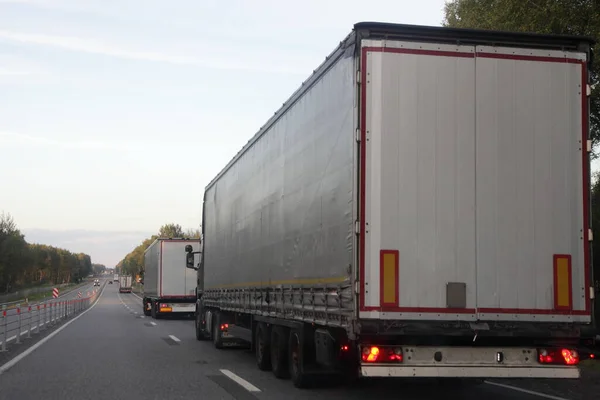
200, 334
153, 309
262, 347
145, 305
279, 352
216, 332
296, 360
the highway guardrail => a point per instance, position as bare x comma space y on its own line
23, 320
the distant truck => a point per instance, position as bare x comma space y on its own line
168, 288
125, 282
419, 207
116, 277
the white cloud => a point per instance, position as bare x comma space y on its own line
24, 139
110, 49
19, 70
4, 71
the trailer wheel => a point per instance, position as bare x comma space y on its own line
296, 360
279, 352
216, 332
200, 335
153, 309
262, 348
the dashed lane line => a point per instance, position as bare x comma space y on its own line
240, 381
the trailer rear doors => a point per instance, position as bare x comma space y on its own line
473, 183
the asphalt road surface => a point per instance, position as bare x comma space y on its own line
112, 351
31, 319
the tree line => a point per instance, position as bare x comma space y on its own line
133, 262
25, 264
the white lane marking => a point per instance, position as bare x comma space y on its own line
136, 296
547, 396
153, 323
242, 382
30, 350
174, 338
143, 316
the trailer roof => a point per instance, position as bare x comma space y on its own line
171, 239
471, 36
414, 32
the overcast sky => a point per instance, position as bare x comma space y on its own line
114, 115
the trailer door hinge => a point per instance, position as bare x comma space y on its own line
588, 90
592, 293
589, 146
356, 287
358, 76
590, 235
358, 135
356, 227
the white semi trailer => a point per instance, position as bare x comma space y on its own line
419, 207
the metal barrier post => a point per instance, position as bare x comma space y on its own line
5, 323
29, 322
19, 323
39, 320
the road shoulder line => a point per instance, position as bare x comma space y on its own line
30, 350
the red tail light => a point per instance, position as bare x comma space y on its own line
224, 326
558, 356
376, 354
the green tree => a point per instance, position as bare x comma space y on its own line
133, 262
12, 251
192, 234
570, 17
23, 264
98, 268
170, 231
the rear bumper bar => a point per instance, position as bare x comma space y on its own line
469, 371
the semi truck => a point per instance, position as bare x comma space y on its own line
116, 277
419, 207
125, 282
169, 289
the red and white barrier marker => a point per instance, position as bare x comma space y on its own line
55, 293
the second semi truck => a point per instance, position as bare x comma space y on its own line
168, 289
125, 283
418, 208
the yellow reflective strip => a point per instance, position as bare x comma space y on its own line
562, 280
390, 279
